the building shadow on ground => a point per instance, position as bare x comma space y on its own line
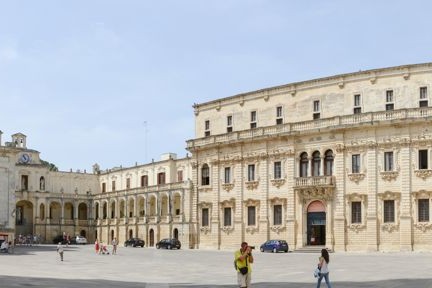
13, 282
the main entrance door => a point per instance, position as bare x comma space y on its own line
316, 224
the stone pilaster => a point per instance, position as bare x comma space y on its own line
372, 219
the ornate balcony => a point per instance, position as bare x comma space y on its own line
317, 187
314, 181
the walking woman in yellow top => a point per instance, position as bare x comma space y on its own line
243, 259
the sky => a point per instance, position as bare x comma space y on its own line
114, 82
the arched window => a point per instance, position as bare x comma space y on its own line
328, 163
205, 175
304, 164
316, 163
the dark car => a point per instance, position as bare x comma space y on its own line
274, 246
168, 243
60, 239
134, 242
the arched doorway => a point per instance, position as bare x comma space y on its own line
24, 217
316, 223
112, 235
130, 233
175, 233
151, 236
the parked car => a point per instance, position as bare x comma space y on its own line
134, 242
58, 239
80, 240
274, 246
168, 243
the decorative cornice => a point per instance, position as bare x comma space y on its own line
307, 193
205, 229
423, 226
389, 227
277, 228
423, 173
388, 195
204, 204
356, 227
228, 203
227, 186
278, 201
356, 197
227, 229
389, 175
356, 177
251, 185
277, 182
251, 202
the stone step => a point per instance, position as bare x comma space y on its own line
311, 249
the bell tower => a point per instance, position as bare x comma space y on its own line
19, 140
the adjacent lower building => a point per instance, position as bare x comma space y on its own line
342, 162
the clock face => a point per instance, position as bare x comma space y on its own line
25, 158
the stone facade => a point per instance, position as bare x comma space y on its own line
342, 161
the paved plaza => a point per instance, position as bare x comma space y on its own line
40, 266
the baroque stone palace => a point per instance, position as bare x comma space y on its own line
342, 161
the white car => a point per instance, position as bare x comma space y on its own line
81, 240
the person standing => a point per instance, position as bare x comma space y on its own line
243, 259
324, 259
60, 250
114, 244
97, 246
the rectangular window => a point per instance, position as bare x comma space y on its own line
113, 188
389, 96
356, 212
251, 172
253, 120
227, 216
357, 100
357, 110
180, 176
127, 183
316, 109
316, 106
423, 92
277, 215
388, 161
103, 187
423, 210
205, 217
277, 170
207, 128
389, 107
423, 159
144, 181
279, 116
423, 97
229, 124
161, 178
355, 163
227, 176
389, 215
251, 216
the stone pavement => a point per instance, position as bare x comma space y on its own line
40, 266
